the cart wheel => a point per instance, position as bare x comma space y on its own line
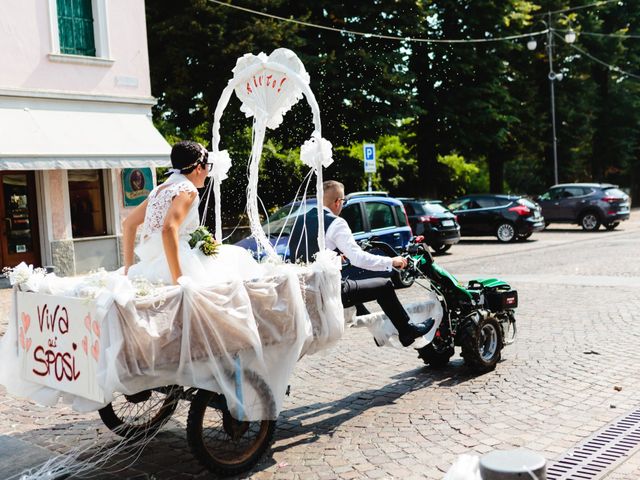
223, 444
141, 414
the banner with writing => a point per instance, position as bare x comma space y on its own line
59, 343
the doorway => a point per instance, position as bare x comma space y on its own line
19, 241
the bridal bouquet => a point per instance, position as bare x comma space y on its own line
201, 237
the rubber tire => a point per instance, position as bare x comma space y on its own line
199, 405
611, 226
118, 426
402, 279
524, 236
440, 248
513, 230
588, 228
430, 356
471, 344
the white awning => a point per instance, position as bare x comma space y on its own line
37, 134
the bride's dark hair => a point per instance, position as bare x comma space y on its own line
186, 155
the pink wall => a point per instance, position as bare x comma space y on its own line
25, 36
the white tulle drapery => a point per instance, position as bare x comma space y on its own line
238, 338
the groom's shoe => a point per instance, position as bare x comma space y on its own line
414, 331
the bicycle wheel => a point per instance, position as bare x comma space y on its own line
140, 414
221, 443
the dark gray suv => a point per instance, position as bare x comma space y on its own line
587, 204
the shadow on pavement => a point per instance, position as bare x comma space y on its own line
332, 414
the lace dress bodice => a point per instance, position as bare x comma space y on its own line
159, 202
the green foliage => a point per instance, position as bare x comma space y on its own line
487, 102
463, 177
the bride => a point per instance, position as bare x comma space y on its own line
168, 217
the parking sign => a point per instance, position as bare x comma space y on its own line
369, 157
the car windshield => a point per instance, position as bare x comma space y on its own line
282, 220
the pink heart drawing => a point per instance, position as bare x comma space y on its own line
95, 350
26, 321
28, 344
22, 344
87, 322
85, 345
96, 328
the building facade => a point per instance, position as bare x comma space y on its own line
78, 149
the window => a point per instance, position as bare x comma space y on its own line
86, 196
431, 208
402, 218
353, 216
75, 27
379, 215
489, 202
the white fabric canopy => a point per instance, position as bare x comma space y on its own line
71, 135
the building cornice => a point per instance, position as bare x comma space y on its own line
75, 96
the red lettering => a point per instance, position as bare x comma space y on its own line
40, 359
62, 365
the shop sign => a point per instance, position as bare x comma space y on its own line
137, 183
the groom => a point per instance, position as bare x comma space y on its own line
303, 243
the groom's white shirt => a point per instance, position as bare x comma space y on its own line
339, 236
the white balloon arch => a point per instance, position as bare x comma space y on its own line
268, 86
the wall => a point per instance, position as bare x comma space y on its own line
25, 26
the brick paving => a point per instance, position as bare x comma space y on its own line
366, 412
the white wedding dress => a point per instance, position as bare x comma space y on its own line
230, 262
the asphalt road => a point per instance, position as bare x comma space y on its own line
365, 412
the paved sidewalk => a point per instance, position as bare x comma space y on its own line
367, 412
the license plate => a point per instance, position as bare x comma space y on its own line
447, 223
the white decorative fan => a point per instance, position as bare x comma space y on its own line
268, 86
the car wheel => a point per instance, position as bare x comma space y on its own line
506, 232
590, 221
612, 225
439, 248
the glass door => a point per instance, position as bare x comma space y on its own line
19, 241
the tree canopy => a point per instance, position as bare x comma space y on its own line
444, 116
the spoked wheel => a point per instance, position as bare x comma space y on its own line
506, 232
590, 222
141, 414
482, 345
224, 445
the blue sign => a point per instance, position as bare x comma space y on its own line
369, 157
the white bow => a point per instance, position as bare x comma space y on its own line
221, 163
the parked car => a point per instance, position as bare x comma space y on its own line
434, 221
587, 204
370, 215
508, 217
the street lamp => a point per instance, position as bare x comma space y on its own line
569, 37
